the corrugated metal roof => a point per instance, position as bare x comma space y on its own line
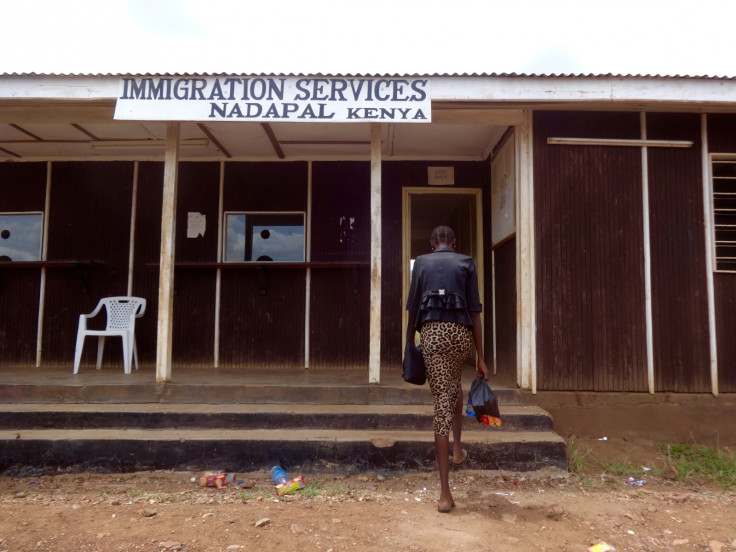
390, 75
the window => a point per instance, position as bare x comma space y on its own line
263, 237
724, 212
20, 236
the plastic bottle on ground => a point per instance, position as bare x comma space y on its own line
279, 475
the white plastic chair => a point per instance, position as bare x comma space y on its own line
121, 314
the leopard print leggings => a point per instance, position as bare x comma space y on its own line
446, 347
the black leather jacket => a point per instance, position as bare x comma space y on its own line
444, 287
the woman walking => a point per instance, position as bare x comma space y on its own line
444, 305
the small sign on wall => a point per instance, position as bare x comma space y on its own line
196, 225
441, 176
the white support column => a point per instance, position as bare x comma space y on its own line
709, 241
131, 245
526, 304
493, 301
647, 255
44, 256
374, 361
308, 258
168, 240
218, 276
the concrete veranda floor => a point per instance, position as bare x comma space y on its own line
109, 375
58, 384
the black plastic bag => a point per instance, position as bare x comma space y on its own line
484, 403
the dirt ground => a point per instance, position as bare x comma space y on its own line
499, 512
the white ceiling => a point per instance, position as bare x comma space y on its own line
67, 139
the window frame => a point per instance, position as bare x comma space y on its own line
225, 215
39, 256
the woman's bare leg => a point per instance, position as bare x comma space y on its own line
442, 448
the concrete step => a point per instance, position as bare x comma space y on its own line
175, 393
112, 423
34, 451
250, 416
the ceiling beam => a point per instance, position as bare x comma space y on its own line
84, 131
274, 140
26, 132
218, 145
10, 152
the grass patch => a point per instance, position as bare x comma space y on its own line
159, 497
324, 487
620, 468
701, 461
311, 489
256, 494
577, 456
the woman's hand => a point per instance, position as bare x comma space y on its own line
477, 331
482, 370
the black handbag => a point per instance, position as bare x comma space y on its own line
413, 369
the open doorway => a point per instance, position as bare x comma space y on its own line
426, 208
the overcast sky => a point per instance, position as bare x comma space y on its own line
673, 37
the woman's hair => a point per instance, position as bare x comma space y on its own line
442, 234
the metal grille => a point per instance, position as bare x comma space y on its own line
724, 213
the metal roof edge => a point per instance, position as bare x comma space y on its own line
386, 75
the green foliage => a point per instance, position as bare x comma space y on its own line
159, 497
701, 461
325, 487
577, 456
620, 468
315, 487
255, 494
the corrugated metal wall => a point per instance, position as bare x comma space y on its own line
589, 255
262, 310
22, 188
722, 139
194, 304
147, 254
392, 302
341, 233
589, 236
262, 313
89, 219
590, 278
677, 244
505, 269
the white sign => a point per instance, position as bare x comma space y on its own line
441, 176
503, 183
274, 99
196, 224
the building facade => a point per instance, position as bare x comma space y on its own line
599, 210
